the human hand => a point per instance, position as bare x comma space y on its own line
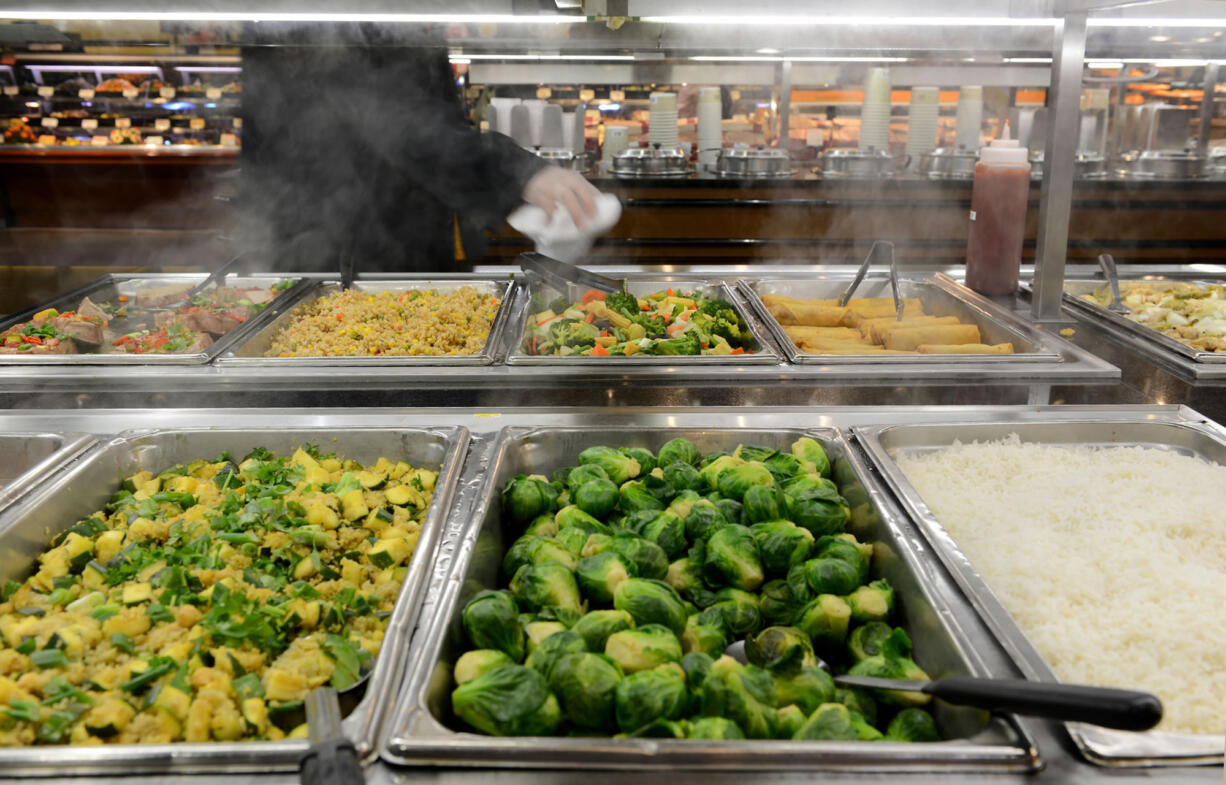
554, 186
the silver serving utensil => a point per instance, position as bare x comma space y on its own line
1107, 262
332, 758
213, 278
887, 247
559, 274
1103, 706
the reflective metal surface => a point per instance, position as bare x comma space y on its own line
27, 526
1184, 435
27, 459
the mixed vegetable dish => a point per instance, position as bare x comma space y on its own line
1191, 314
205, 602
633, 572
621, 325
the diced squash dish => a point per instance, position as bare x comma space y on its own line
204, 603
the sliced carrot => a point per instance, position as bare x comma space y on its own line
737, 350
599, 351
592, 294
591, 317
644, 307
605, 333
670, 291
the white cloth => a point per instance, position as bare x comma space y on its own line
558, 237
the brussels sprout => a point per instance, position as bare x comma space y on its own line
704, 633
595, 543
549, 651
634, 496
783, 466
779, 606
648, 695
510, 700
478, 661
799, 585
491, 620
649, 559
731, 509
710, 472
538, 630
807, 688
894, 662
857, 700
535, 550
596, 497
651, 602
600, 575
561, 476
564, 497
865, 641
696, 665
582, 474
810, 484
566, 616
735, 481
808, 450
667, 531
825, 619
643, 647
740, 611
789, 720
682, 477
586, 685
655, 484
831, 576
821, 516
750, 452
829, 547
744, 694
618, 467
864, 731
572, 538
572, 516
828, 721
780, 649
731, 559
683, 502
538, 586
714, 728
678, 450
761, 503
524, 498
865, 548
647, 461
542, 525
685, 576
657, 729
595, 627
873, 602
912, 725
703, 518
781, 544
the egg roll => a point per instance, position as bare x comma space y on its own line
810, 313
864, 310
828, 346
965, 348
800, 332
912, 337
774, 299
875, 329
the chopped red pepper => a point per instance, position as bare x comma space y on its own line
599, 351
592, 294
737, 350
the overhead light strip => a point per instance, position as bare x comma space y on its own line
578, 57
1154, 22
780, 59
871, 21
253, 16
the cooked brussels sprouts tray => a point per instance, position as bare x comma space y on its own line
63, 515
604, 574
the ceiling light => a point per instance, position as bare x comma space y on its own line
756, 59
1159, 39
1028, 60
305, 16
871, 21
1104, 65
1163, 22
486, 56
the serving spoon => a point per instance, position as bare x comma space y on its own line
1107, 262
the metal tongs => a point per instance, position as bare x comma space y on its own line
560, 274
888, 247
213, 278
332, 758
1107, 262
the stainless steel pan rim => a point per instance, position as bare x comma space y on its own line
711, 287
416, 737
1165, 429
103, 466
250, 353
981, 310
124, 283
62, 448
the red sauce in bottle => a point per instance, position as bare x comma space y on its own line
998, 218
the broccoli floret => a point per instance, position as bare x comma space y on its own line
733, 331
571, 332
624, 303
719, 309
654, 325
686, 343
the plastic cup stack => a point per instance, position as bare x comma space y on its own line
503, 114
710, 127
551, 126
875, 111
521, 125
576, 123
662, 129
970, 117
922, 122
536, 114
616, 139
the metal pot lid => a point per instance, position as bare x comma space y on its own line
755, 154
853, 154
556, 154
651, 153
1171, 155
953, 153
1081, 158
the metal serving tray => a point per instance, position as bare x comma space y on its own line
1103, 746
941, 295
27, 459
424, 732
108, 287
252, 352
711, 288
1074, 289
26, 527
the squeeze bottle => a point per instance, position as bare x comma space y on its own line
998, 217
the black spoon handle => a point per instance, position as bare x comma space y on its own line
1108, 707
